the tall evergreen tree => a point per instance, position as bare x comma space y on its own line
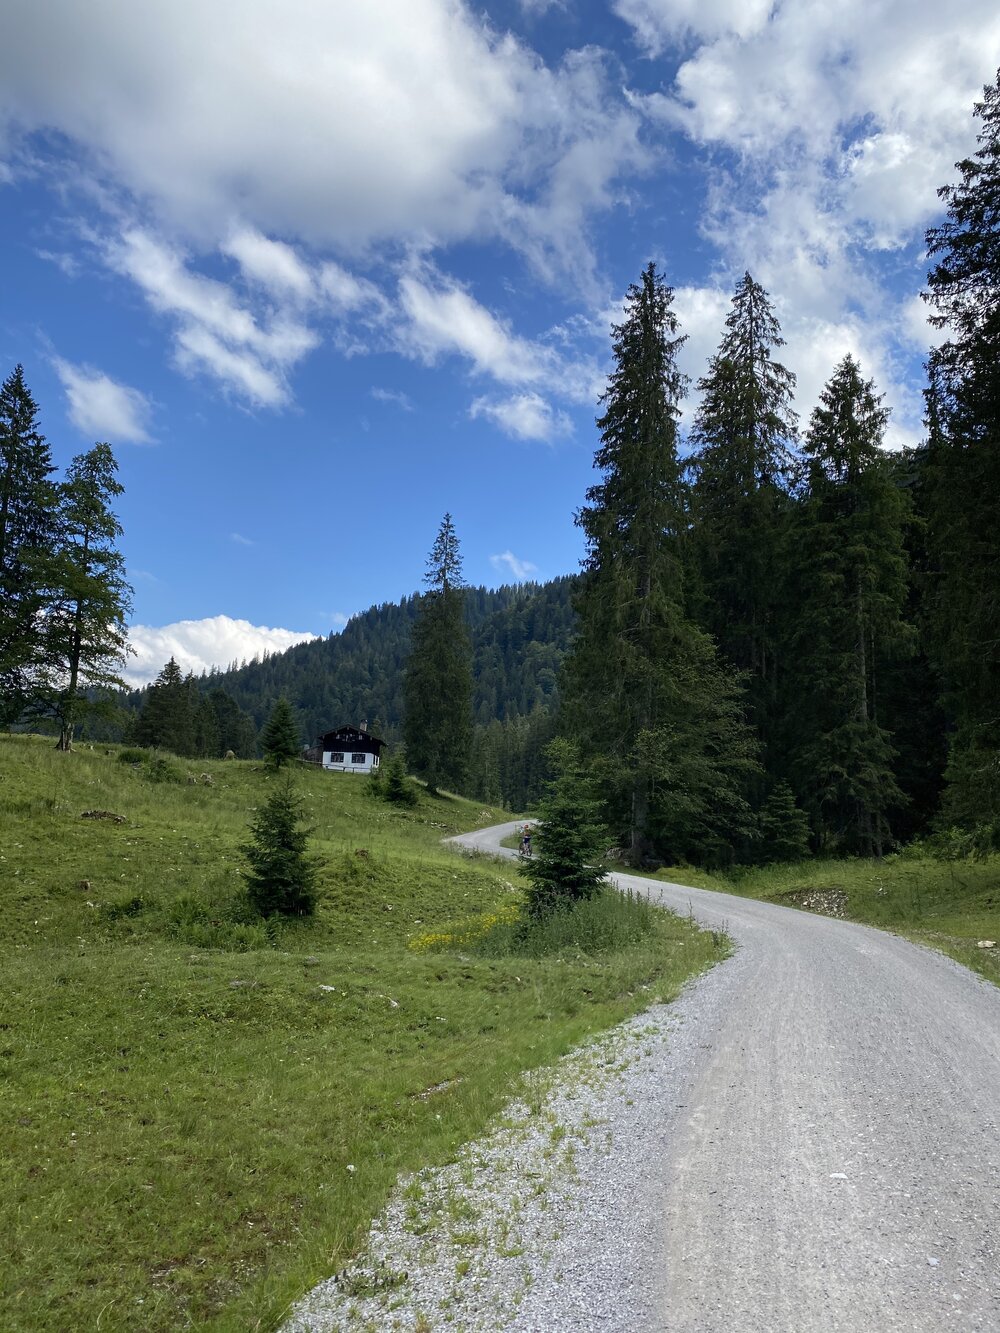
86, 639
847, 615
962, 475
281, 739
28, 532
167, 719
654, 712
437, 723
744, 432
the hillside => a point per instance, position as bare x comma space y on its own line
203, 1111
520, 635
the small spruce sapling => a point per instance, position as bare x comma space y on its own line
281, 879
567, 865
398, 787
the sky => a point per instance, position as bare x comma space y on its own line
321, 272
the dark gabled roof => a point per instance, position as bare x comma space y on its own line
351, 738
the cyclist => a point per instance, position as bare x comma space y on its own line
526, 840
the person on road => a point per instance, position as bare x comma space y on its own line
526, 840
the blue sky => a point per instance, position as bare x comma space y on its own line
321, 272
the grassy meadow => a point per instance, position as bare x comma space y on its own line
201, 1112
947, 904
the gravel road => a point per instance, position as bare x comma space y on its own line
811, 1143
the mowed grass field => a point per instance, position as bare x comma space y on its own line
200, 1113
947, 904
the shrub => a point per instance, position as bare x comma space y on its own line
160, 769
132, 756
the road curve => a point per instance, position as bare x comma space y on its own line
834, 1161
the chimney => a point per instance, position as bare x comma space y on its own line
363, 726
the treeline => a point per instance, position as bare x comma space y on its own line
796, 629
789, 635
519, 636
63, 595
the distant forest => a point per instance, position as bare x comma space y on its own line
520, 635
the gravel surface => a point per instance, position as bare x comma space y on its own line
807, 1139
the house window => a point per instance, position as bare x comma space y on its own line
337, 757
358, 758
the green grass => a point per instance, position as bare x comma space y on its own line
201, 1114
948, 905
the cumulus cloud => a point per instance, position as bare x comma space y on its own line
829, 130
525, 416
101, 408
198, 645
509, 563
342, 126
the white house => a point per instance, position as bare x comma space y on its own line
351, 749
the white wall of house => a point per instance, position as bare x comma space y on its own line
344, 761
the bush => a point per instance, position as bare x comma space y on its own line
132, 756
160, 769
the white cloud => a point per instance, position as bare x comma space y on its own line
525, 416
240, 540
272, 264
67, 264
829, 129
444, 318
520, 569
400, 399
341, 126
198, 645
101, 408
657, 22
249, 352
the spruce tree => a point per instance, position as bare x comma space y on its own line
657, 717
962, 472
846, 616
85, 638
744, 433
28, 533
281, 880
567, 864
167, 718
281, 739
437, 722
783, 828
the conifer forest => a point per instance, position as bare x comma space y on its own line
784, 638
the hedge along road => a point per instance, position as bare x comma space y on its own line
833, 1161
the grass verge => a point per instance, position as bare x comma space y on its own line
201, 1113
947, 904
